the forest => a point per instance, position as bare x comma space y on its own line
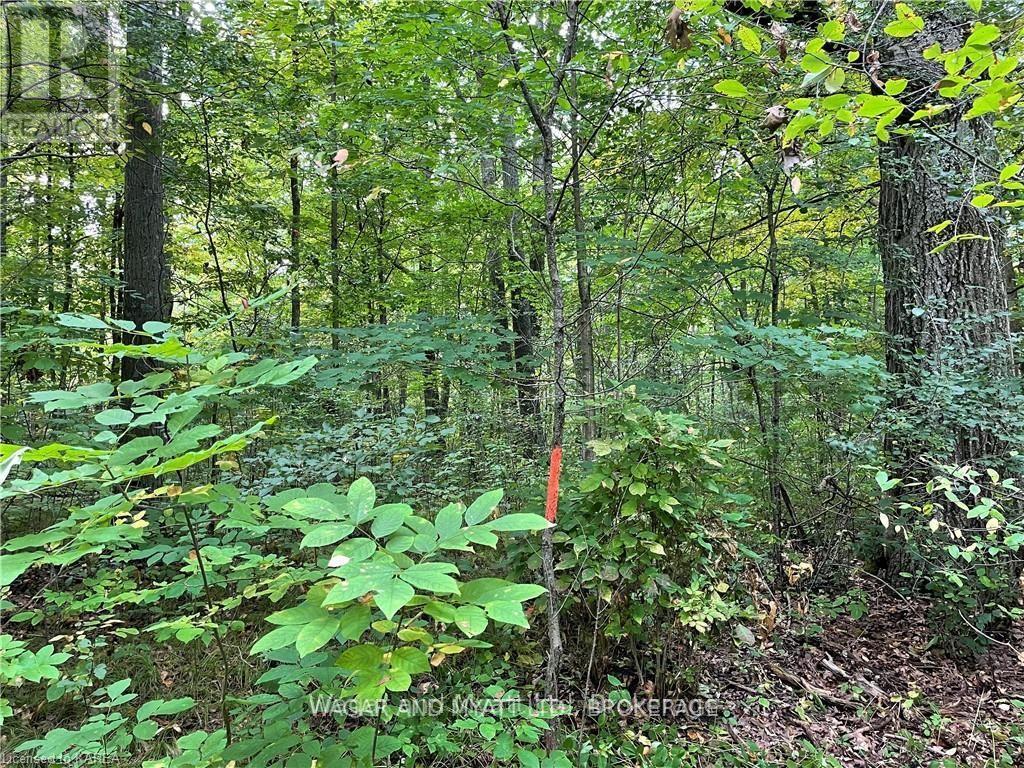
528, 383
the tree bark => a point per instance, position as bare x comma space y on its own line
296, 214
495, 301
585, 334
946, 289
335, 233
525, 321
543, 119
146, 269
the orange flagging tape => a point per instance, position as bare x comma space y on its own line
551, 509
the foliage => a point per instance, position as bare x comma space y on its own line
389, 594
401, 236
653, 529
963, 533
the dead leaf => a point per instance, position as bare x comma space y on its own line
790, 159
775, 117
340, 157
778, 32
677, 33
724, 35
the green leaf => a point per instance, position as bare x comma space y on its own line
507, 612
12, 566
352, 551
359, 579
481, 591
906, 24
392, 596
278, 638
299, 614
325, 534
361, 497
114, 416
313, 508
158, 707
480, 535
361, 658
471, 619
411, 660
443, 612
982, 35
834, 30
354, 621
87, 322
145, 730
519, 521
316, 634
156, 327
448, 521
397, 680
1009, 171
484, 505
731, 88
896, 86
749, 39
834, 81
432, 577
388, 518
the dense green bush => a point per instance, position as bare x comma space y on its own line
652, 531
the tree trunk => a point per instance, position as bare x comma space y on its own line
115, 294
335, 234
431, 371
296, 201
585, 334
525, 322
296, 213
543, 119
495, 300
946, 291
146, 270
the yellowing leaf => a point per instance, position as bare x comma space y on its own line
749, 39
896, 86
732, 88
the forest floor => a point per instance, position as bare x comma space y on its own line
871, 689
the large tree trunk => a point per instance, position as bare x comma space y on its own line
146, 269
946, 292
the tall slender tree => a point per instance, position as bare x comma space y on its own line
147, 294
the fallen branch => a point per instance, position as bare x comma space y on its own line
798, 682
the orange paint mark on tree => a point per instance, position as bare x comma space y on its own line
551, 508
